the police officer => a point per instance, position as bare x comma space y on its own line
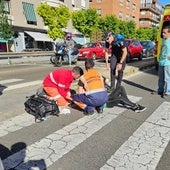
118, 57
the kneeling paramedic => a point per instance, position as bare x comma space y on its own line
57, 84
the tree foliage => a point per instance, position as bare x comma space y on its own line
55, 18
6, 29
85, 21
128, 29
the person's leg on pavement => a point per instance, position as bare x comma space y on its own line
82, 101
113, 62
120, 75
53, 94
161, 81
69, 56
167, 79
112, 78
120, 97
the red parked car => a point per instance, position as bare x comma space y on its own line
134, 48
92, 50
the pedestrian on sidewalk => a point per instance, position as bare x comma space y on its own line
91, 93
116, 44
164, 64
57, 85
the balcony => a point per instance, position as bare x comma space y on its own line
54, 3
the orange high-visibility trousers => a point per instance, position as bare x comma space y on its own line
52, 93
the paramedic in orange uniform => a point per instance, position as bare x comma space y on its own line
92, 93
57, 84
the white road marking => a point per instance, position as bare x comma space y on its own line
22, 85
57, 144
143, 150
10, 81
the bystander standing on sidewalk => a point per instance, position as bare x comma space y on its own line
164, 64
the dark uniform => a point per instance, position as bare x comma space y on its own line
116, 54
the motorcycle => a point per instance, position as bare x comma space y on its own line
61, 56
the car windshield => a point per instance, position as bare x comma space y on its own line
88, 45
144, 43
127, 42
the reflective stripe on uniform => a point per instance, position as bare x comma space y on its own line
58, 84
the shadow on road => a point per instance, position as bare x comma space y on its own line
17, 161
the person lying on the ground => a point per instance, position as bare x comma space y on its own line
119, 96
92, 93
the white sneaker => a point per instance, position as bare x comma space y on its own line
65, 111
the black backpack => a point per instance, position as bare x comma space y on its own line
40, 107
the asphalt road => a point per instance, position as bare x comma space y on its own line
117, 139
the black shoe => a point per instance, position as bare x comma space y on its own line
138, 108
89, 112
160, 93
99, 110
165, 96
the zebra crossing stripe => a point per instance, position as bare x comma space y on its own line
10, 81
145, 147
22, 85
59, 143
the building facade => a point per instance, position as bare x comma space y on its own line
125, 10
145, 13
150, 13
30, 32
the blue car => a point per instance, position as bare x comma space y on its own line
148, 48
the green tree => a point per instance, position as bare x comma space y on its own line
85, 21
55, 18
6, 28
146, 33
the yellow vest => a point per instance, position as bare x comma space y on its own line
93, 81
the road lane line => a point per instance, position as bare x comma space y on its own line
10, 81
143, 150
59, 143
22, 85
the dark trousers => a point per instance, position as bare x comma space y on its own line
113, 64
91, 101
119, 96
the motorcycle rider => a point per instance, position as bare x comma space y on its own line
70, 46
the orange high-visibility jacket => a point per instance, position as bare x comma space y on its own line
93, 81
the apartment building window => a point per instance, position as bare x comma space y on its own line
29, 13
83, 3
120, 14
121, 2
128, 4
133, 7
133, 18
6, 7
127, 17
99, 11
73, 3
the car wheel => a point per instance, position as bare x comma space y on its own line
140, 57
94, 56
52, 59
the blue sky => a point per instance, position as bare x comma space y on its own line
163, 2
